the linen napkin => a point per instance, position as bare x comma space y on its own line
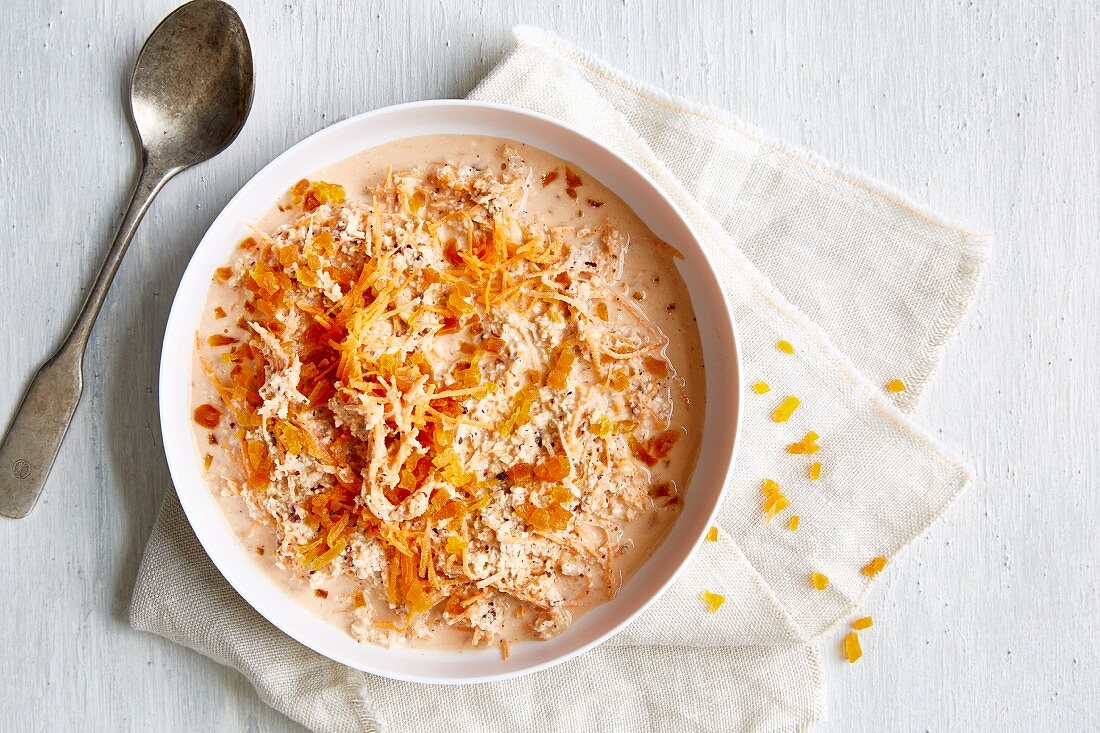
868, 289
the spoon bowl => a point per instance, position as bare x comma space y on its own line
192, 85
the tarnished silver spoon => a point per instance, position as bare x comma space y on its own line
189, 96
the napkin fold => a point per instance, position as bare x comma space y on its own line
867, 287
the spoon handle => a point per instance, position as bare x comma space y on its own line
34, 437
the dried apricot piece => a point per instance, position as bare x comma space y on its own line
554, 468
761, 388
786, 408
785, 347
714, 601
656, 367
819, 581
851, 648
619, 381
712, 534
874, 567
208, 416
220, 339
863, 623
792, 523
814, 471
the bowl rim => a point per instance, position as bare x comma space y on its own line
180, 448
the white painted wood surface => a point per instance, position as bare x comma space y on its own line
987, 112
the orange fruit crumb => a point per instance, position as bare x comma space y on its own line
815, 471
863, 623
819, 581
792, 523
786, 409
851, 649
774, 501
784, 346
895, 385
714, 601
712, 534
874, 567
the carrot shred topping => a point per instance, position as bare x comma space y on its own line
792, 523
814, 472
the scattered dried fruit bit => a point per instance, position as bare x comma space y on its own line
863, 623
595, 203
874, 567
208, 416
819, 581
619, 381
895, 385
851, 649
807, 445
572, 179
320, 593
761, 388
318, 193
219, 312
505, 650
220, 339
656, 448
207, 460
456, 544
815, 470
550, 176
714, 601
222, 274
774, 500
786, 409
712, 534
792, 523
784, 346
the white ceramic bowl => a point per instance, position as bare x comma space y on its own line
335, 143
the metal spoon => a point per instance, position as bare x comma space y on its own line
189, 96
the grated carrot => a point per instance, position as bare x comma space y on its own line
819, 581
792, 523
761, 388
784, 346
815, 471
